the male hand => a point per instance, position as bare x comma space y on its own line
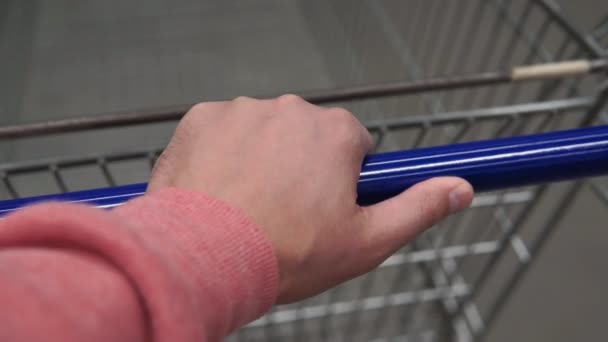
292, 168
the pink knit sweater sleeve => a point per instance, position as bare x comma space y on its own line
171, 266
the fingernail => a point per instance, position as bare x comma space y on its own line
460, 198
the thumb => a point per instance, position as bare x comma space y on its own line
393, 223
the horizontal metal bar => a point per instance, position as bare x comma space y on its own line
25, 166
423, 336
359, 92
490, 164
359, 305
486, 113
487, 165
451, 252
564, 105
489, 200
175, 113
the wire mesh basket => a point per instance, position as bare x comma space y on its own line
450, 283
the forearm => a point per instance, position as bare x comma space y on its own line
59, 294
175, 266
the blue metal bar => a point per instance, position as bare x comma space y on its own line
487, 165
102, 198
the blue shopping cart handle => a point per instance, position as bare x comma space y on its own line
487, 165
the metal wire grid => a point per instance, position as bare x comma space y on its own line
421, 39
403, 296
450, 283
522, 32
19, 179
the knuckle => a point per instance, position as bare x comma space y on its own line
201, 107
190, 123
202, 111
199, 110
240, 99
347, 127
420, 214
191, 117
430, 210
344, 118
288, 100
340, 113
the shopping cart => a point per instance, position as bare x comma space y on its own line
450, 283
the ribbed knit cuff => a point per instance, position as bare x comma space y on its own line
228, 255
